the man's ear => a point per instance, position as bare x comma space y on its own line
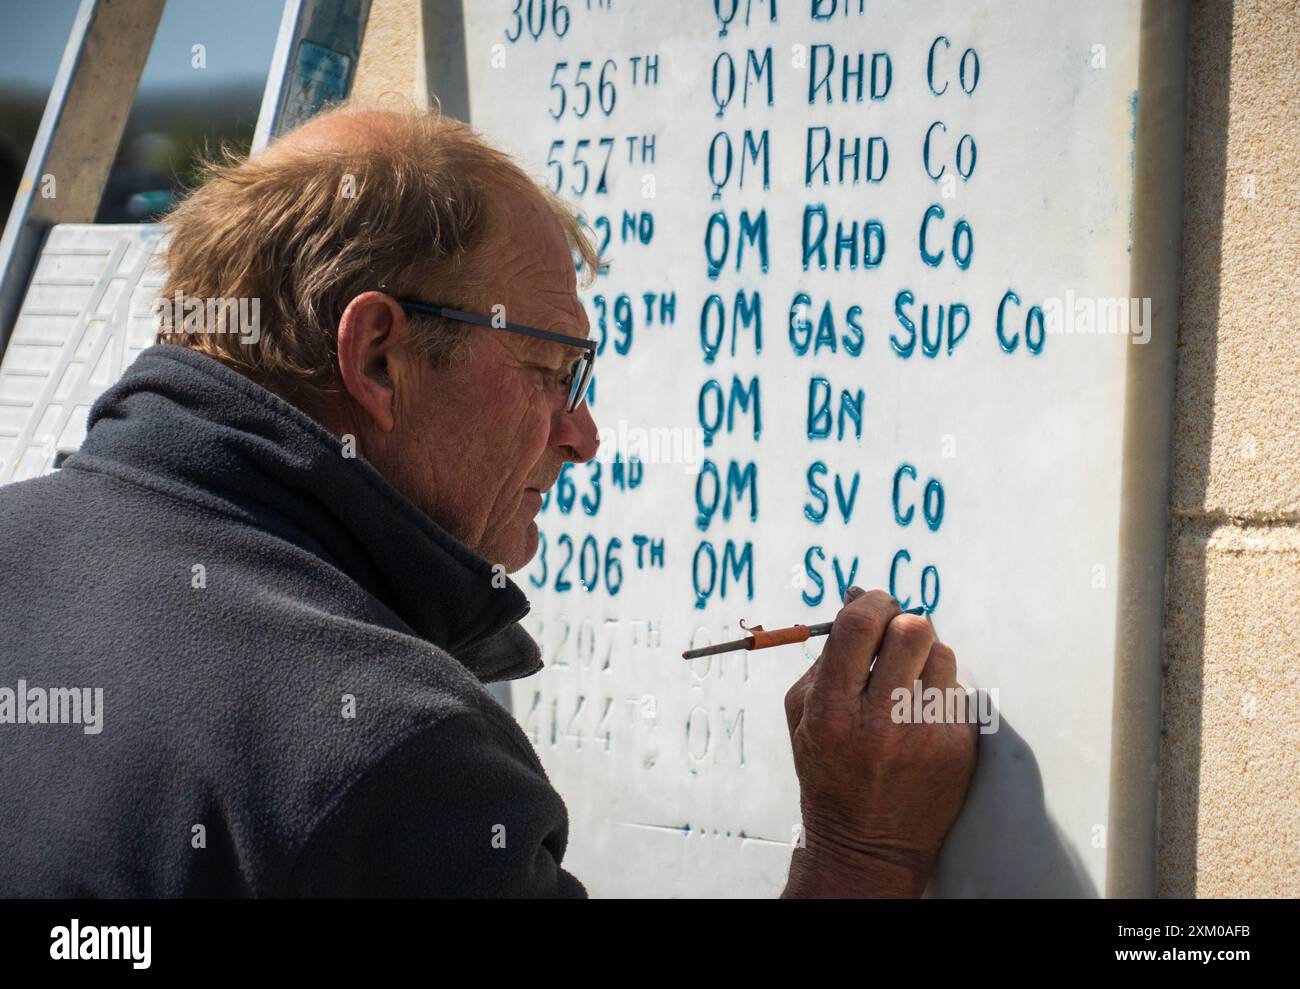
370, 332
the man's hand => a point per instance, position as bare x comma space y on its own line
877, 798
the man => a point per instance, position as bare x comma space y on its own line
281, 553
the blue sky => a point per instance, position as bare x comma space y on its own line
239, 36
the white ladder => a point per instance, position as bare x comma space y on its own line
75, 296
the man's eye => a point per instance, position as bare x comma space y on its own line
555, 376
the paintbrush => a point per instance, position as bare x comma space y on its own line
761, 638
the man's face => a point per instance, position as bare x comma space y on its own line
482, 441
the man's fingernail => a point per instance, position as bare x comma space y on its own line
853, 593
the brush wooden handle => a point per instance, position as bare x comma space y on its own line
778, 636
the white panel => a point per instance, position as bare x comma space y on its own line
74, 336
678, 776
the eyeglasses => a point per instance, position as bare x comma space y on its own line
580, 373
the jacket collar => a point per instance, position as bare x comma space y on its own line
186, 423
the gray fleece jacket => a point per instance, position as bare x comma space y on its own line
290, 659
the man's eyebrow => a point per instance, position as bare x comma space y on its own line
552, 356
554, 348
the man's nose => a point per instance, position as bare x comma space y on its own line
575, 434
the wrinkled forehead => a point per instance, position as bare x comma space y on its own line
530, 242
535, 271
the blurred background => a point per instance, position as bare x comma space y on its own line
202, 87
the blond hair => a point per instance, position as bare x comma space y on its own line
305, 229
